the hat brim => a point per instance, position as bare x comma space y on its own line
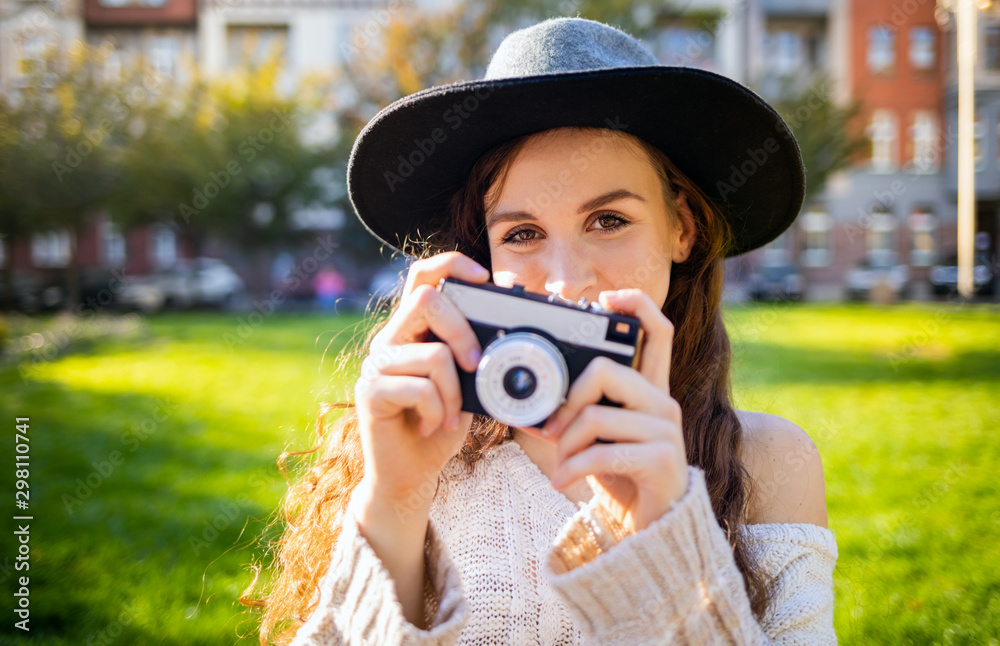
414, 154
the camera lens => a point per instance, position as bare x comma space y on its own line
521, 379
519, 382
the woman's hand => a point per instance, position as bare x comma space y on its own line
644, 471
408, 397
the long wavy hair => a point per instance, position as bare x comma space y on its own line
313, 507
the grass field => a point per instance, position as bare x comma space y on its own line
153, 466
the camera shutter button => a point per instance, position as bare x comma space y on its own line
597, 308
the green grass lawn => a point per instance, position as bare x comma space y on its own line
153, 466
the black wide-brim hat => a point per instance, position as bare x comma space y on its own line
416, 152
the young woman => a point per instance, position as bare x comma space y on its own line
690, 522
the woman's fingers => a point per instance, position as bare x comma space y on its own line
451, 264
657, 347
616, 425
621, 384
389, 395
423, 308
434, 361
617, 459
428, 309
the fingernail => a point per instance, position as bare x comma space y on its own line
453, 423
482, 271
550, 426
474, 356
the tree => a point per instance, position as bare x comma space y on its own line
823, 129
224, 156
228, 156
65, 127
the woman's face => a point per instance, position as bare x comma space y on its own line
582, 212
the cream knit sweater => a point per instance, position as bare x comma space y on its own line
511, 560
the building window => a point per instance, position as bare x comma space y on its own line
50, 249
881, 237
923, 226
882, 133
252, 45
163, 55
786, 52
922, 54
112, 244
164, 247
881, 50
923, 133
816, 225
991, 38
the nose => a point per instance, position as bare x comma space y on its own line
570, 275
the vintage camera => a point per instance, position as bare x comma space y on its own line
534, 348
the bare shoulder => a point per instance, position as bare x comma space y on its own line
786, 469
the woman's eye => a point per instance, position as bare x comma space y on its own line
610, 222
519, 236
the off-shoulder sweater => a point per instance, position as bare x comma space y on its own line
511, 560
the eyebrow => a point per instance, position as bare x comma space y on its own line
596, 203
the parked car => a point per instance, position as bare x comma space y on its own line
866, 274
30, 294
201, 282
98, 290
944, 276
782, 282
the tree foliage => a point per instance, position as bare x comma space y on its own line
230, 156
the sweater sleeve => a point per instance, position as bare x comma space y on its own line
358, 603
676, 581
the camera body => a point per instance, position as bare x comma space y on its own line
534, 347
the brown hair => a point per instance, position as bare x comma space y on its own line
699, 381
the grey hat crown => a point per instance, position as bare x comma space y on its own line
560, 45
